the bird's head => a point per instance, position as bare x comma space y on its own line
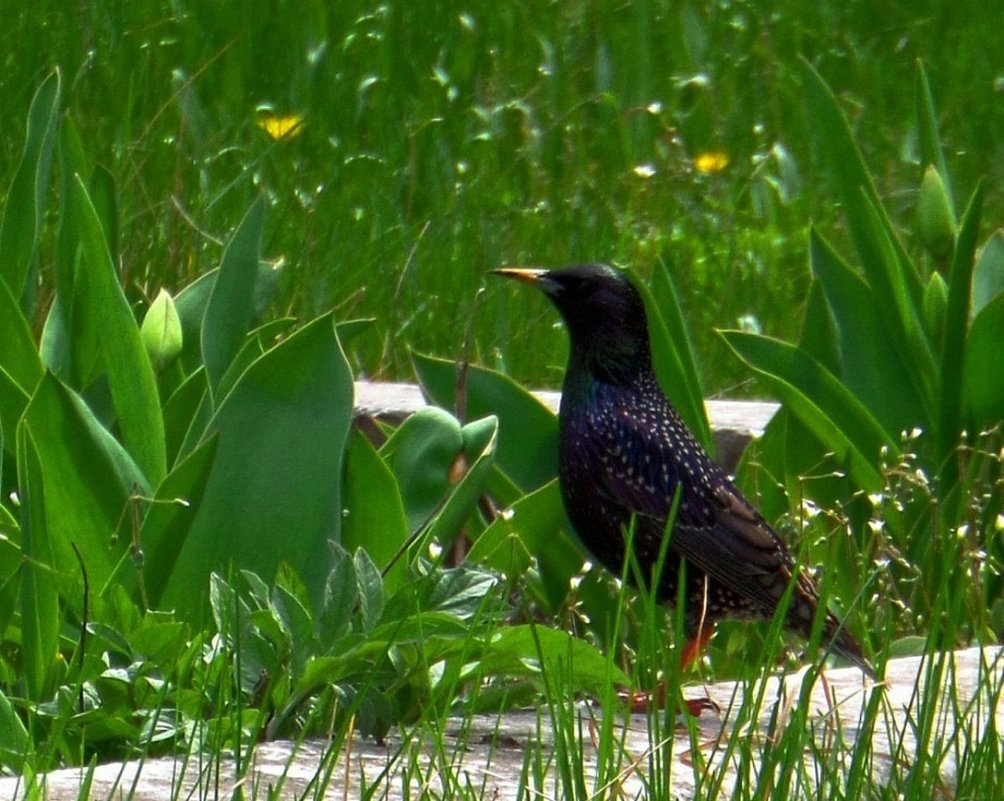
603, 312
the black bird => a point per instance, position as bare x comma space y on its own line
624, 452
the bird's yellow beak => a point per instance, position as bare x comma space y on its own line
528, 275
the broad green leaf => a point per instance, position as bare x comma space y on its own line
421, 452
370, 585
15, 742
11, 562
818, 398
530, 650
341, 596
528, 430
61, 344
960, 288
902, 306
988, 276
166, 523
350, 329
181, 415
672, 354
40, 576
192, 300
104, 196
883, 261
374, 517
467, 476
872, 370
935, 306
535, 527
161, 331
18, 356
274, 493
256, 343
87, 478
231, 303
983, 380
101, 307
22, 215
13, 401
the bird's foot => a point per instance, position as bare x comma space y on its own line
639, 701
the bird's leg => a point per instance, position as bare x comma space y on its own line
639, 701
693, 647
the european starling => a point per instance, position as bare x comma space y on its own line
624, 452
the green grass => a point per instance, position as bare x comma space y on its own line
438, 143
441, 141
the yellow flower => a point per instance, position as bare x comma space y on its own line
281, 127
714, 161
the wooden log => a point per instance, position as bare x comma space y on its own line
733, 423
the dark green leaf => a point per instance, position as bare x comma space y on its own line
40, 577
374, 514
467, 477
871, 369
528, 430
15, 742
18, 356
984, 368
101, 306
371, 592
818, 398
341, 595
22, 216
88, 477
274, 493
167, 523
960, 288
892, 277
181, 414
421, 453
988, 276
231, 303
534, 527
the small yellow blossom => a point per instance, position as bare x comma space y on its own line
281, 127
714, 161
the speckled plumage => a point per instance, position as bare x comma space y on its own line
623, 454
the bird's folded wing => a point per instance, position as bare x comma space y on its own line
716, 529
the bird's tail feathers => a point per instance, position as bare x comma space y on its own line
843, 644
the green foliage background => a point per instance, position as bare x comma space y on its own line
443, 139
196, 547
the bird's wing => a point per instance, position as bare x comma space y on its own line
716, 529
